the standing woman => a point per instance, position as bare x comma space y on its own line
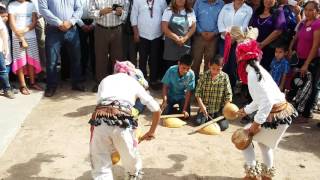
306, 42
238, 14
23, 20
178, 24
270, 22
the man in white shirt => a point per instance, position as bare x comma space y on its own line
112, 126
146, 22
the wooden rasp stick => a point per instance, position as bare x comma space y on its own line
171, 116
207, 123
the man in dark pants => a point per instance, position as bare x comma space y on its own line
61, 16
147, 32
130, 48
108, 16
86, 27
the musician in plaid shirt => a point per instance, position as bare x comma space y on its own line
213, 92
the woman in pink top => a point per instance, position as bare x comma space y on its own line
307, 42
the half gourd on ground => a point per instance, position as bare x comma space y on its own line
173, 122
211, 129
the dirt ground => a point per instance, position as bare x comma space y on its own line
53, 145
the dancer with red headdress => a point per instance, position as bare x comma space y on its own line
274, 113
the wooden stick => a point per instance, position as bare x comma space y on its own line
207, 123
171, 116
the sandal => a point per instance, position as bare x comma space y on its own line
36, 86
24, 90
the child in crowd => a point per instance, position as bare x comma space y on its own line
178, 84
5, 58
23, 20
213, 92
280, 66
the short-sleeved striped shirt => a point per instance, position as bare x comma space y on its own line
214, 92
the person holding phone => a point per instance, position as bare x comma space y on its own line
108, 15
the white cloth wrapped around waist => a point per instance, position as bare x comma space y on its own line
269, 137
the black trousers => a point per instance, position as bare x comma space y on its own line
150, 53
130, 48
87, 49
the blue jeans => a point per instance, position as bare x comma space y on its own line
171, 103
139, 106
54, 40
4, 77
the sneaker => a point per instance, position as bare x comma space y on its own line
49, 92
9, 94
15, 91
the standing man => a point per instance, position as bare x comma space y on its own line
146, 23
61, 16
108, 15
86, 27
206, 37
